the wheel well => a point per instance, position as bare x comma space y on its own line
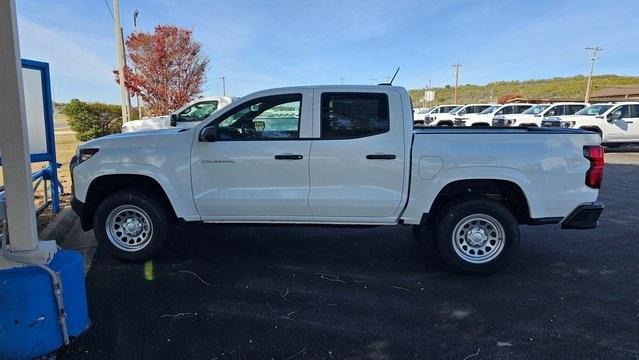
445, 123
593, 129
506, 192
482, 124
103, 186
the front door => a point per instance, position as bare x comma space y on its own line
357, 164
625, 126
257, 169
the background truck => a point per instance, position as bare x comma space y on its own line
185, 117
536, 114
431, 117
460, 112
485, 118
616, 123
338, 155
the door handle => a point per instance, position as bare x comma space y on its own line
288, 157
380, 156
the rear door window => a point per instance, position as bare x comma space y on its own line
352, 115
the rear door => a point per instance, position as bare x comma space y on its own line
357, 163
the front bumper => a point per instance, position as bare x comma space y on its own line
585, 216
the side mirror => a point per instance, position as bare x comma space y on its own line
551, 113
208, 134
174, 118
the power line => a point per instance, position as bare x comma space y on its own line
106, 2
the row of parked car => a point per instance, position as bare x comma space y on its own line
614, 122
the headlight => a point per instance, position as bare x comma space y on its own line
567, 124
85, 154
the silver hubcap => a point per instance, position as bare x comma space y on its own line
478, 238
129, 228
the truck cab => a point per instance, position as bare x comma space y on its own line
534, 115
185, 117
616, 123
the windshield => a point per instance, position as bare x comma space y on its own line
490, 110
593, 110
455, 109
537, 109
198, 111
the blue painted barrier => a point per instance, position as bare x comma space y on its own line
29, 324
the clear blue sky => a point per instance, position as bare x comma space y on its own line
260, 44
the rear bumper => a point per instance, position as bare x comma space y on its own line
585, 216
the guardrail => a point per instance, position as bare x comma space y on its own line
41, 179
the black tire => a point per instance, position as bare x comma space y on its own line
461, 211
153, 210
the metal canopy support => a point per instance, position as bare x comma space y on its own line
14, 146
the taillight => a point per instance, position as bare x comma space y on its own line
594, 153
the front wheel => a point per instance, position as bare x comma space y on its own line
477, 235
133, 224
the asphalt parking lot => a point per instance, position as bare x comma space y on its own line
231, 292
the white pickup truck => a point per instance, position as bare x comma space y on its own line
616, 123
457, 114
438, 111
185, 117
536, 114
338, 155
485, 118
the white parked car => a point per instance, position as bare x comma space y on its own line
536, 114
616, 123
338, 155
185, 117
485, 118
437, 111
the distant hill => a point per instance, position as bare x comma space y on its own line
556, 88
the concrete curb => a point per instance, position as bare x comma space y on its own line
61, 224
66, 230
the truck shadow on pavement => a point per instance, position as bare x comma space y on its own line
311, 292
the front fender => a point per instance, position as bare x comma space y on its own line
176, 189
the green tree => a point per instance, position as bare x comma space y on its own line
92, 120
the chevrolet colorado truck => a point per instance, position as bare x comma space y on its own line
338, 155
616, 123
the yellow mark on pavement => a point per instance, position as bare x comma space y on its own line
148, 270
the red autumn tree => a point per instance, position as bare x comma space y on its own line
170, 69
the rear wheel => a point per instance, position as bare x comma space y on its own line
133, 224
476, 235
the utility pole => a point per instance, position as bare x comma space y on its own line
372, 81
594, 50
456, 66
135, 29
223, 85
341, 80
119, 46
